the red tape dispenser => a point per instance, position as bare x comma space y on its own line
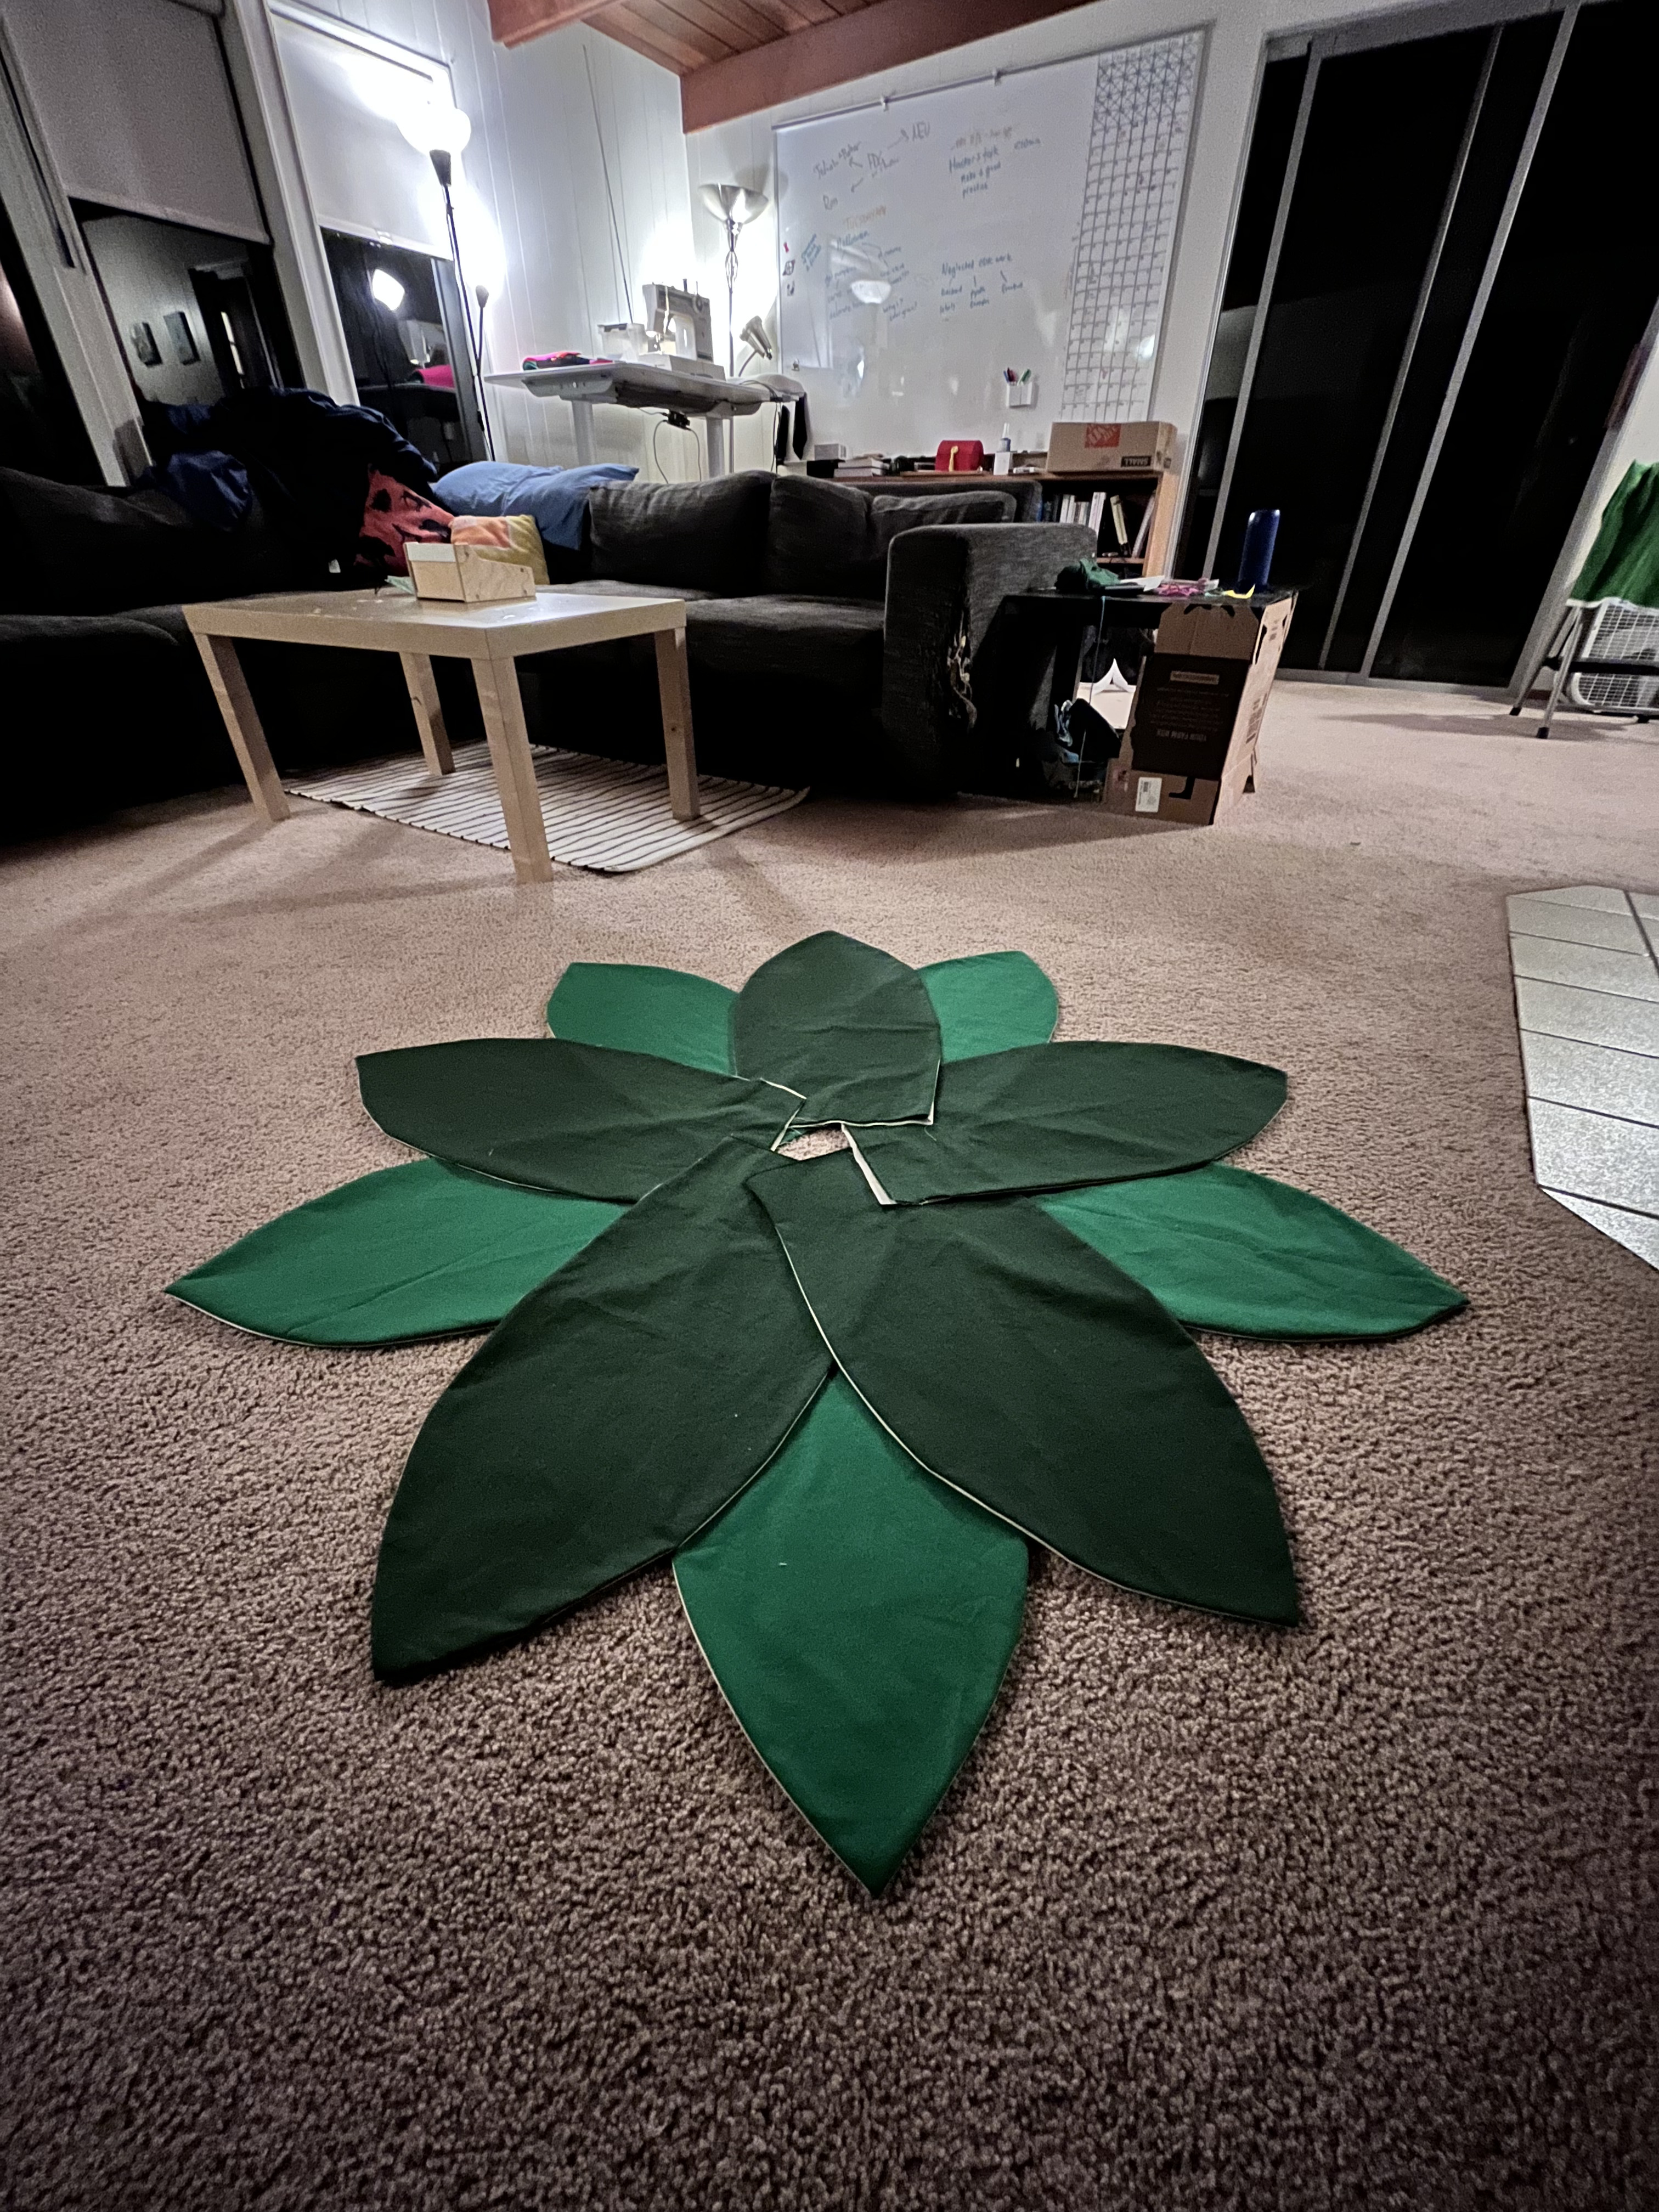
959, 457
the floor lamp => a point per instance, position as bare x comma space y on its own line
440, 132
734, 206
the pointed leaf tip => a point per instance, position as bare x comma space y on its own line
859, 1618
1226, 1249
848, 1026
608, 1418
414, 1251
1023, 1369
639, 1009
990, 1002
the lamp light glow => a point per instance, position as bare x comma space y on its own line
434, 126
384, 287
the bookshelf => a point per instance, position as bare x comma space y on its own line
1148, 503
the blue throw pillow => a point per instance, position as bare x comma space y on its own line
556, 497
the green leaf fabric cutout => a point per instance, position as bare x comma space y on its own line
990, 1002
575, 1118
414, 1251
852, 1029
1023, 1369
1051, 1116
635, 1009
611, 1415
859, 1617
1224, 1249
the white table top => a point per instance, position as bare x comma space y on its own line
397, 622
640, 384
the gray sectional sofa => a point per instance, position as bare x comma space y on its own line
844, 637
837, 634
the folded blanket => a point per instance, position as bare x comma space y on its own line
556, 497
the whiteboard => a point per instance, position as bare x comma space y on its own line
1026, 222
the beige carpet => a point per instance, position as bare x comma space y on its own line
1358, 1917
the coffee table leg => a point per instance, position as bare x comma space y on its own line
674, 689
428, 713
515, 773
224, 668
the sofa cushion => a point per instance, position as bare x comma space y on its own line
711, 537
80, 550
833, 644
830, 538
610, 587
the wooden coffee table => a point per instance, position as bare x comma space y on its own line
491, 634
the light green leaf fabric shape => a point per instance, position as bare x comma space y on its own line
611, 1414
1026, 1370
859, 1617
990, 1002
575, 1118
413, 1251
1049, 1117
1223, 1249
850, 1027
636, 1009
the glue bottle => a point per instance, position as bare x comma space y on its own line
1002, 461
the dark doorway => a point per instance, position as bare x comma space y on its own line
198, 314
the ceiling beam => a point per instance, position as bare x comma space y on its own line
879, 37
512, 22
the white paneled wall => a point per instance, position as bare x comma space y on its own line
541, 213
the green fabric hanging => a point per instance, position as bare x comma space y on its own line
859, 1617
575, 1118
990, 1002
421, 1250
1049, 1115
611, 1415
850, 1027
657, 1010
1021, 1367
1223, 1249
1624, 562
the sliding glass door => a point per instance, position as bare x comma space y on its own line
1416, 359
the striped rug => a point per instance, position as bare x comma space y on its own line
611, 815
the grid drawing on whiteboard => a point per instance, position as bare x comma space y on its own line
1138, 141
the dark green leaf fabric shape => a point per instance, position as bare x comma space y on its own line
990, 1002
575, 1118
1022, 1368
421, 1250
849, 1027
611, 1415
858, 1616
633, 1008
1050, 1115
1223, 1249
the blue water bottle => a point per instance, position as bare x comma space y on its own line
1256, 561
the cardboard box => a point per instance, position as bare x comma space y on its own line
1189, 751
1093, 449
468, 571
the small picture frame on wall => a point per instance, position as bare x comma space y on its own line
184, 343
142, 339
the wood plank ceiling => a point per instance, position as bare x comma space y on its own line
735, 56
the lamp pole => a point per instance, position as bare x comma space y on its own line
443, 167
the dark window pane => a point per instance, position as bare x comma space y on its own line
1377, 162
1258, 211
1517, 69
407, 345
1577, 283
